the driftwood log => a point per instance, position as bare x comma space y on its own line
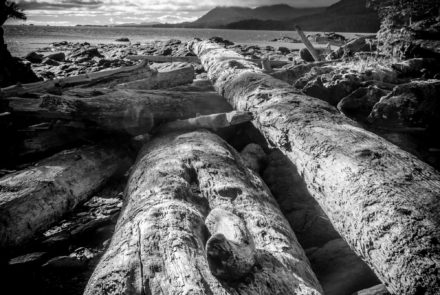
102, 78
166, 76
125, 110
195, 59
308, 44
384, 202
36, 197
211, 122
197, 221
137, 77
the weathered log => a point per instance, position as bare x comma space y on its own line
195, 59
126, 110
158, 59
102, 78
168, 75
382, 200
308, 44
159, 243
33, 199
211, 122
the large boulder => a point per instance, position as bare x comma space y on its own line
415, 104
360, 102
34, 57
57, 56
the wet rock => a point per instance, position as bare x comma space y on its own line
50, 62
375, 290
86, 53
123, 39
34, 57
305, 55
331, 91
339, 270
284, 50
57, 56
222, 41
361, 101
414, 104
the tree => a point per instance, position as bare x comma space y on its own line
12, 70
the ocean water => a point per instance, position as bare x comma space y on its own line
24, 39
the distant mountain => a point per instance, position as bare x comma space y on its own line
343, 16
222, 16
144, 24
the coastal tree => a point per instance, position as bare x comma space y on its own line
12, 70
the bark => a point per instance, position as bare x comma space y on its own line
382, 200
34, 198
211, 122
126, 110
106, 78
191, 190
169, 75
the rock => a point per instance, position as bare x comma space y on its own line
31, 259
331, 91
123, 39
286, 39
64, 262
414, 104
375, 290
414, 67
339, 270
253, 156
57, 56
222, 41
284, 50
305, 55
34, 57
172, 42
62, 43
165, 51
361, 101
86, 53
50, 62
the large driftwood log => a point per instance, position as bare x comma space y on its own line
33, 199
382, 200
102, 79
308, 44
168, 75
191, 190
211, 122
195, 59
126, 110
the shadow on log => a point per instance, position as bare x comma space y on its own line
191, 190
382, 200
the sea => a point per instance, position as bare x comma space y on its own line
22, 39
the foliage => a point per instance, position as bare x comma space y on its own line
9, 9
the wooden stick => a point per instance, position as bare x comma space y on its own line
307, 43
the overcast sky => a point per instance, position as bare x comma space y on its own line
71, 12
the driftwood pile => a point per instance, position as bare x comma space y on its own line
197, 216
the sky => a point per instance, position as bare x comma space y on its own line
105, 12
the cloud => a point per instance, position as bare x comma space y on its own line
102, 11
